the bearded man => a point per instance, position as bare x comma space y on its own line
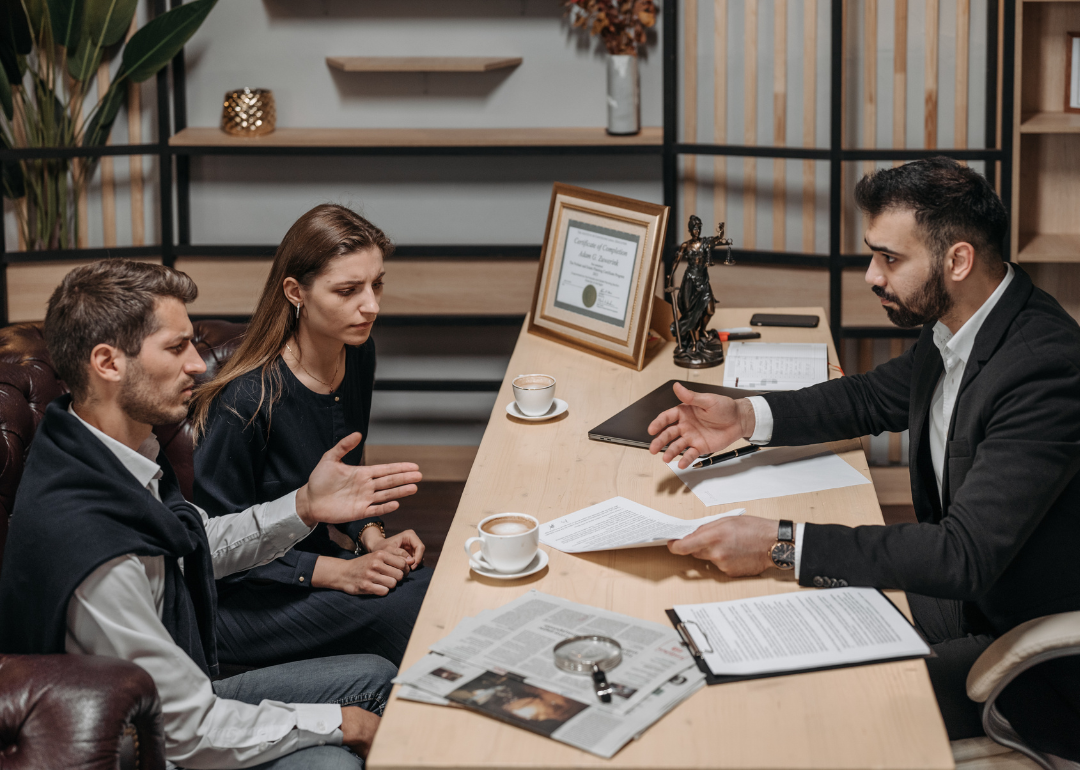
990, 395
105, 557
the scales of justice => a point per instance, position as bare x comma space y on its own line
693, 302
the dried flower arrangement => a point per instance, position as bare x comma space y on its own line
621, 24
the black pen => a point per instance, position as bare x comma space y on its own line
714, 459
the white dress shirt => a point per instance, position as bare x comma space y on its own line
116, 612
955, 350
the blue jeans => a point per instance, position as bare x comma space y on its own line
348, 680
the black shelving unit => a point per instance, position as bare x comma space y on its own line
176, 241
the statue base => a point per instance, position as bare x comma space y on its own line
698, 359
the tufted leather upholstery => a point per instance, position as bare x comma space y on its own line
79, 711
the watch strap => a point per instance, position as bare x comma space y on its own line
785, 533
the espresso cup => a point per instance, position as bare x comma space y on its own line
534, 393
508, 542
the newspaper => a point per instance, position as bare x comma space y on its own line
619, 523
500, 664
520, 637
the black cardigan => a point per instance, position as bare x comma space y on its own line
240, 462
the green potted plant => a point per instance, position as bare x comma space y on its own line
50, 50
621, 25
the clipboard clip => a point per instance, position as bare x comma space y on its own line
688, 638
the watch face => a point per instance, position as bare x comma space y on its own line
783, 555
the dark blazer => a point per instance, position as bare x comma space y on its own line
1004, 541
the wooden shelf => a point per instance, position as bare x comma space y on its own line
1046, 247
422, 63
419, 137
1050, 123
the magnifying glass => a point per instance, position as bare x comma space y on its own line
590, 655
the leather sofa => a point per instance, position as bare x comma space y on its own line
76, 711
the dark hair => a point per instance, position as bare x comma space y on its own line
951, 203
322, 234
109, 302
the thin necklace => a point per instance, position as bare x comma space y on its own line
312, 376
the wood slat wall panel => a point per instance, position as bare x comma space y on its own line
779, 121
31, 284
809, 109
750, 124
933, 11
690, 100
720, 34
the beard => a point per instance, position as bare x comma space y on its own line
929, 302
144, 402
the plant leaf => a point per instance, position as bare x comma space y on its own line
35, 14
106, 21
101, 122
11, 176
84, 62
5, 95
153, 46
15, 39
66, 16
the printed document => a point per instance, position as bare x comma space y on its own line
618, 523
775, 365
800, 631
771, 472
500, 663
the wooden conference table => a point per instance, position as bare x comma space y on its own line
881, 716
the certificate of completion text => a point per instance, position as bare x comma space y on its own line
597, 272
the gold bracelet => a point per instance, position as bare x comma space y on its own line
360, 535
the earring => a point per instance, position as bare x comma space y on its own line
297, 311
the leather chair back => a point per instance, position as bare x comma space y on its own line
28, 382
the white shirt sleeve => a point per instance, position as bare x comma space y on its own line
763, 420
115, 612
256, 536
798, 547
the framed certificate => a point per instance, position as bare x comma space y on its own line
1072, 73
598, 273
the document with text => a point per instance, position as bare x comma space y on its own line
797, 631
619, 523
775, 365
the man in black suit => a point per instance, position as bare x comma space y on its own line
990, 395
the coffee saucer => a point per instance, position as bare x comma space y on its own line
558, 406
538, 563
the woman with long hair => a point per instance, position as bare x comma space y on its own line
299, 382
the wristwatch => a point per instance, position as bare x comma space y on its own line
783, 550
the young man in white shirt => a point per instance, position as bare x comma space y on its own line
131, 565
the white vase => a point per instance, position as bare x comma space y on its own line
623, 107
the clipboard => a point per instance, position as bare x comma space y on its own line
682, 628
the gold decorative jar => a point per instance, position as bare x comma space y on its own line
248, 112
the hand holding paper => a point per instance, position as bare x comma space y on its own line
618, 523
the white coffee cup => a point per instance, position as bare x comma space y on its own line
508, 542
534, 393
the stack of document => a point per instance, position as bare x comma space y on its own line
775, 365
501, 663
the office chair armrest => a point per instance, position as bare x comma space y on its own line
1026, 645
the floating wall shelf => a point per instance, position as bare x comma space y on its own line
422, 63
1050, 123
650, 138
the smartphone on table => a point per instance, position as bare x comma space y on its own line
780, 319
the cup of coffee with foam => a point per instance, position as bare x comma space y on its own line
508, 542
534, 393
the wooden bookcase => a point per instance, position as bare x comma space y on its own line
1046, 171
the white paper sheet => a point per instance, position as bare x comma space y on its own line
775, 365
799, 631
772, 472
618, 523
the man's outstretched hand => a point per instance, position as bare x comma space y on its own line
702, 424
337, 492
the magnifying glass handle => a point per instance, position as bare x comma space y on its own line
600, 682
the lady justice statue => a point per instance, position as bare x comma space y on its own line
693, 303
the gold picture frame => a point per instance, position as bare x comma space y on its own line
597, 275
